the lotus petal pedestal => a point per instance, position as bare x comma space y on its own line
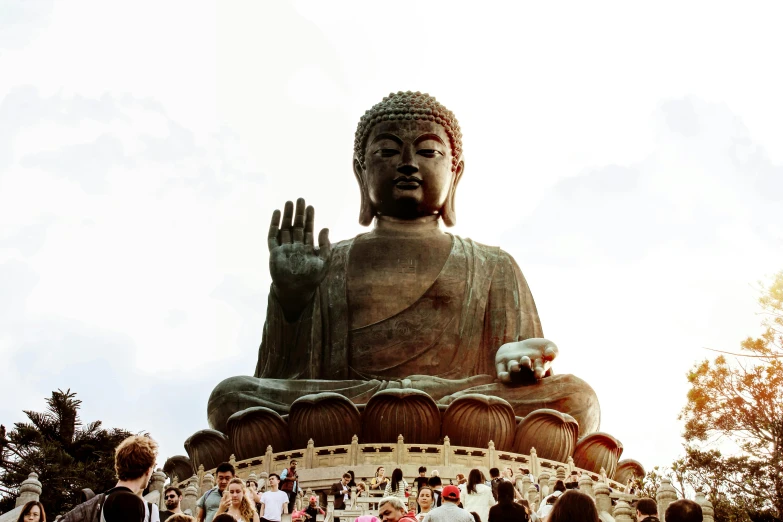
407, 412
596, 451
627, 469
179, 465
253, 429
552, 433
208, 447
474, 420
327, 418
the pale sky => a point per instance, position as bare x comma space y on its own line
629, 157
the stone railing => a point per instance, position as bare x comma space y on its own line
442, 456
320, 467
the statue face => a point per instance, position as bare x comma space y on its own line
407, 170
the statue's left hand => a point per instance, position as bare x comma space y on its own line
535, 354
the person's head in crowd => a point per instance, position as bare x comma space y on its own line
293, 464
223, 517
134, 462
508, 472
683, 510
380, 471
559, 486
646, 507
435, 473
525, 504
123, 506
252, 484
396, 479
476, 516
180, 517
450, 494
574, 506
461, 479
505, 492
351, 482
494, 473
425, 498
422, 471
435, 482
172, 496
238, 495
391, 509
474, 478
368, 518
313, 501
361, 487
33, 511
346, 478
274, 481
224, 473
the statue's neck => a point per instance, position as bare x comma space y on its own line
423, 226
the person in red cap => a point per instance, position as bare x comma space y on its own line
392, 509
449, 511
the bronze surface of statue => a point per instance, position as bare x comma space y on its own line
405, 305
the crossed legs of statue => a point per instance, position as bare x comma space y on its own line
564, 393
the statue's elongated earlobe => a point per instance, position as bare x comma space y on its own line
449, 212
366, 213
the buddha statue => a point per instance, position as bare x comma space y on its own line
407, 305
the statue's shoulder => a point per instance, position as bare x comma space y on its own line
342, 246
488, 251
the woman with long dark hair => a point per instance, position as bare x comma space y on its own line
574, 506
397, 486
506, 509
33, 511
477, 496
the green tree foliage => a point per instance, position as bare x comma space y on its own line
741, 401
66, 454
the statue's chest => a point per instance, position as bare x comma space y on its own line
387, 275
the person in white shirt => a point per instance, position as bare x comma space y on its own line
477, 496
273, 502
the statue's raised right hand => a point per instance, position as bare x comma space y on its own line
296, 265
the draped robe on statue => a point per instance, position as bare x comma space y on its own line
444, 343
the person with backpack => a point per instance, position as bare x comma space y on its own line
134, 462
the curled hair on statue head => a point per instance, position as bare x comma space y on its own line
408, 106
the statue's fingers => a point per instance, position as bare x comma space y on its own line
513, 365
288, 215
299, 218
285, 236
274, 228
324, 246
550, 353
309, 224
525, 362
538, 368
503, 374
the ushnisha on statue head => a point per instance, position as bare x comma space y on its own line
408, 159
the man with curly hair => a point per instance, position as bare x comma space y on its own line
134, 462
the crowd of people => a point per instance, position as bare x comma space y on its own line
471, 499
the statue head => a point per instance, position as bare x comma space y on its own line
408, 159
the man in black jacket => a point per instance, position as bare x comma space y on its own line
341, 493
